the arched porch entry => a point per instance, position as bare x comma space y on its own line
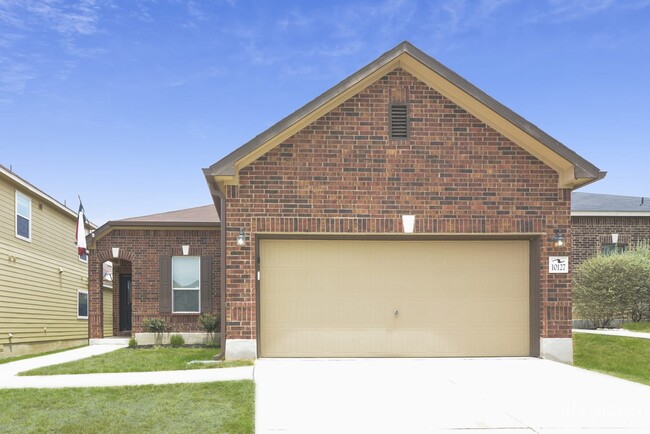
111, 307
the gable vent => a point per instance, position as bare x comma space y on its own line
398, 121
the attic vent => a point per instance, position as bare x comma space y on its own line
398, 121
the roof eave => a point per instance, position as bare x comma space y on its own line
107, 227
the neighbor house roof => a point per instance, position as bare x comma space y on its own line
27, 187
201, 216
593, 204
573, 170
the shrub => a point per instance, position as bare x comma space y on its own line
133, 342
606, 287
154, 325
176, 341
210, 323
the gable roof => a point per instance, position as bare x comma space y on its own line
199, 214
592, 204
27, 187
198, 217
574, 170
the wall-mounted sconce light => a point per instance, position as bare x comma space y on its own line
615, 238
186, 250
241, 238
116, 252
558, 239
408, 223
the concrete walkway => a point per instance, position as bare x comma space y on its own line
615, 332
10, 380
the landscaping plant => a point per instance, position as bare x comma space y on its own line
210, 324
613, 286
133, 342
156, 326
176, 341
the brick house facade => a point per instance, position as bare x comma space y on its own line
597, 218
142, 242
335, 170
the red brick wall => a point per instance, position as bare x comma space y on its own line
589, 233
141, 250
344, 174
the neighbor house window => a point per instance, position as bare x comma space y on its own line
84, 257
23, 217
82, 304
611, 248
186, 284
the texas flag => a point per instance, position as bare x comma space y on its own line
81, 230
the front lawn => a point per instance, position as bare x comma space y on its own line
637, 326
139, 360
226, 407
622, 357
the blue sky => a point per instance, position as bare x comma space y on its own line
123, 102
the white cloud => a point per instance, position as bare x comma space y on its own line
14, 76
561, 11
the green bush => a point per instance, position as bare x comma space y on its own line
176, 341
210, 323
133, 342
154, 325
607, 287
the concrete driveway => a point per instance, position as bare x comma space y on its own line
522, 395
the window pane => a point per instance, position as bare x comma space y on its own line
23, 206
22, 226
186, 272
186, 301
83, 304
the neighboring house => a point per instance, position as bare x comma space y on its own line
316, 260
43, 281
152, 276
603, 223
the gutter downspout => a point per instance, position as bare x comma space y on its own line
221, 208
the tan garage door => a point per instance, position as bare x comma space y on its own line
354, 298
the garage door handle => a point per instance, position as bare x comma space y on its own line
395, 312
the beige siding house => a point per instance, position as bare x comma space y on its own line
43, 281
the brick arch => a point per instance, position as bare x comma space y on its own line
107, 255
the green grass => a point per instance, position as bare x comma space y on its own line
226, 407
139, 360
30, 356
637, 326
623, 357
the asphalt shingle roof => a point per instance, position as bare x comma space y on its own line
608, 202
200, 214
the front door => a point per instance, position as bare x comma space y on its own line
125, 303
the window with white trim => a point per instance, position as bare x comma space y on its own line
186, 284
23, 217
82, 304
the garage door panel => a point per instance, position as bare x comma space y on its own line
337, 298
